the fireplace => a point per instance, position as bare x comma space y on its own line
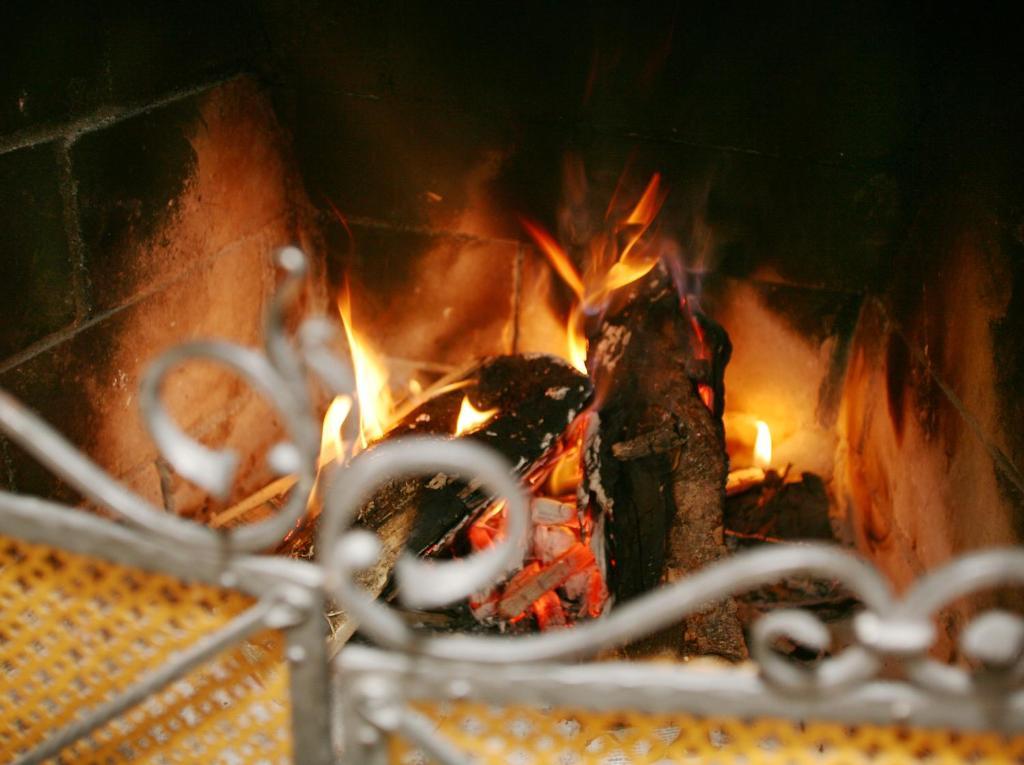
839, 190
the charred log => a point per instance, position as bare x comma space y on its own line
777, 509
536, 396
655, 460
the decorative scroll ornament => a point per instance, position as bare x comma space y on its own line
896, 630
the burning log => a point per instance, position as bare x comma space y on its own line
527, 400
533, 398
655, 457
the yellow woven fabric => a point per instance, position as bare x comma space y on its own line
521, 735
75, 630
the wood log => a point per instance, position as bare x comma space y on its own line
536, 396
655, 461
781, 509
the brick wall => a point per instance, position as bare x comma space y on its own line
144, 184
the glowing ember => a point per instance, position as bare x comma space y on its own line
332, 445
471, 418
561, 580
763, 446
375, 403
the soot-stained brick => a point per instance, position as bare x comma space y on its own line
36, 283
128, 178
53, 64
156, 48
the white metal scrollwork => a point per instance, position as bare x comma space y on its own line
896, 631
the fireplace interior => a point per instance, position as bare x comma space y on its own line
835, 190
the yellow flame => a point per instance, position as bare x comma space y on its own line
567, 473
634, 262
763, 445
471, 418
649, 204
332, 445
576, 340
609, 269
375, 402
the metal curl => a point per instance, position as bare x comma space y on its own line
971, 573
280, 376
854, 665
315, 335
900, 629
214, 469
276, 341
343, 554
420, 583
667, 605
995, 639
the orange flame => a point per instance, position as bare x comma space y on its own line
634, 261
567, 472
471, 418
629, 263
332, 445
556, 256
576, 340
375, 403
763, 445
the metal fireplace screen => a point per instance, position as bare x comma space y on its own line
149, 638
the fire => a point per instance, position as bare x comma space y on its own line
332, 445
763, 445
700, 351
561, 580
576, 340
471, 418
567, 472
635, 261
616, 259
375, 402
558, 258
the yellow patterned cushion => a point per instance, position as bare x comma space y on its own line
522, 735
75, 630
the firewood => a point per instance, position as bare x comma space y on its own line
655, 462
781, 509
275, 491
536, 397
743, 480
